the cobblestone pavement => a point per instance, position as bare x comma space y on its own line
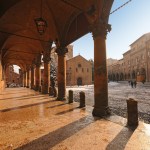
30, 120
118, 93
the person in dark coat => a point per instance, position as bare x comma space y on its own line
129, 82
132, 84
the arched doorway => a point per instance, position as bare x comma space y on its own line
79, 81
117, 77
121, 76
125, 76
141, 76
129, 76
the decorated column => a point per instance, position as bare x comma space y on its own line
37, 72
61, 77
46, 73
99, 31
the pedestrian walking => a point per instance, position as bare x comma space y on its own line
129, 82
132, 84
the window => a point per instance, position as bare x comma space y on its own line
82, 70
87, 70
79, 65
76, 69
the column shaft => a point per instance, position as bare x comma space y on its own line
46, 78
32, 78
37, 78
28, 79
100, 70
24, 79
61, 77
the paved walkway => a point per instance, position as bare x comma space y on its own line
31, 121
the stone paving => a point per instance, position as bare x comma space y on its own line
32, 121
118, 93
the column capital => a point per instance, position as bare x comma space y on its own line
38, 64
37, 61
46, 56
100, 28
32, 67
24, 72
61, 50
28, 67
33, 62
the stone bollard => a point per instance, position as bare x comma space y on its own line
132, 112
82, 99
70, 96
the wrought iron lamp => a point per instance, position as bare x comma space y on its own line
41, 24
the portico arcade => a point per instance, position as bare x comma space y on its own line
22, 45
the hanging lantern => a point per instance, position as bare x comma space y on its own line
41, 25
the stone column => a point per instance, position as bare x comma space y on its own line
37, 77
37, 72
61, 77
28, 79
46, 73
24, 79
99, 31
32, 77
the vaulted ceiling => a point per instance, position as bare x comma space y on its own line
67, 21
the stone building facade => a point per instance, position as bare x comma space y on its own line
78, 71
135, 64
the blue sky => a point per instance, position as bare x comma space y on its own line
128, 24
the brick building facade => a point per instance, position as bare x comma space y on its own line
135, 64
11, 76
79, 71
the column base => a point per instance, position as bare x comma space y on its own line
32, 87
36, 88
51, 93
61, 98
44, 90
40, 89
101, 111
